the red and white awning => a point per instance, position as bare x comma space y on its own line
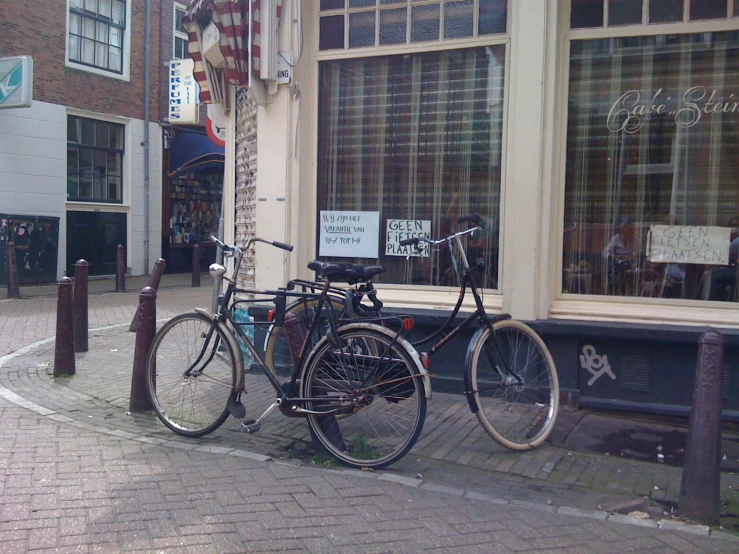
231, 17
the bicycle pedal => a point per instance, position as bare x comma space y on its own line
250, 426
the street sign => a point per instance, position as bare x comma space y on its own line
16, 82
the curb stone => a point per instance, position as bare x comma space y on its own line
664, 524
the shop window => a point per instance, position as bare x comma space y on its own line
652, 177
94, 160
180, 34
96, 31
416, 141
400, 25
590, 13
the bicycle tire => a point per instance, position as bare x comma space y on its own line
277, 355
523, 415
376, 403
191, 406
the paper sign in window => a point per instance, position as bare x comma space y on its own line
687, 244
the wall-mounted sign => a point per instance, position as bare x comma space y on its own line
689, 245
215, 125
284, 68
402, 229
349, 234
16, 82
183, 93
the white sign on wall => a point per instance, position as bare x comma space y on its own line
349, 234
689, 245
402, 229
183, 93
16, 82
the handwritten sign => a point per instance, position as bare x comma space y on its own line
402, 229
349, 234
629, 112
689, 245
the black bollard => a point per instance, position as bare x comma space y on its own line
80, 306
140, 401
154, 278
700, 488
120, 270
196, 266
64, 363
12, 266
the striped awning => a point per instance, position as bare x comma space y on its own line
231, 17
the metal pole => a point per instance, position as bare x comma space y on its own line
81, 335
64, 363
14, 290
147, 100
139, 400
154, 279
195, 266
700, 488
219, 254
120, 270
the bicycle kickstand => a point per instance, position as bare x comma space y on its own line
250, 426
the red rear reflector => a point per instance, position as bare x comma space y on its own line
271, 316
408, 323
425, 360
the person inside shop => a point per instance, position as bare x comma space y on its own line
620, 255
723, 279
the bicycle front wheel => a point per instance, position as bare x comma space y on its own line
369, 395
514, 384
190, 375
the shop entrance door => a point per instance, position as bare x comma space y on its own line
94, 237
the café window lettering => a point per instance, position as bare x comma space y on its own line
652, 177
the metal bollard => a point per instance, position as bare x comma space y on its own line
12, 266
196, 265
120, 270
700, 488
64, 362
154, 279
80, 306
140, 401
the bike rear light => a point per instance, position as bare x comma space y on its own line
425, 360
271, 315
408, 323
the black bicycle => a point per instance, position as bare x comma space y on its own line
510, 379
361, 387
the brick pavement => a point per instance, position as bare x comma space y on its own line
452, 452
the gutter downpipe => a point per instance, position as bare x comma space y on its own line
147, 100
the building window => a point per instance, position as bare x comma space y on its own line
94, 160
652, 177
96, 32
180, 34
416, 138
613, 13
396, 22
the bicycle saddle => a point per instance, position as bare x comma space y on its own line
345, 272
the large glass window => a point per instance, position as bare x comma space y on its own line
415, 138
180, 34
94, 160
96, 30
652, 177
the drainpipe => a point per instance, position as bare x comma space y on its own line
147, 99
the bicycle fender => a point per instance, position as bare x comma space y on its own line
240, 373
468, 392
390, 334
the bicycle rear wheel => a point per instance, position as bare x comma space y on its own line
515, 386
190, 375
370, 393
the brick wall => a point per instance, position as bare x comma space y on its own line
38, 28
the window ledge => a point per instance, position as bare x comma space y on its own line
434, 298
685, 312
97, 71
96, 206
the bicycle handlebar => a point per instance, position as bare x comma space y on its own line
226, 248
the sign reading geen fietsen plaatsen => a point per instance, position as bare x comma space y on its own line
402, 229
687, 244
349, 234
183, 101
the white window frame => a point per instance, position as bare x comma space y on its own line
125, 74
398, 295
175, 33
674, 311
